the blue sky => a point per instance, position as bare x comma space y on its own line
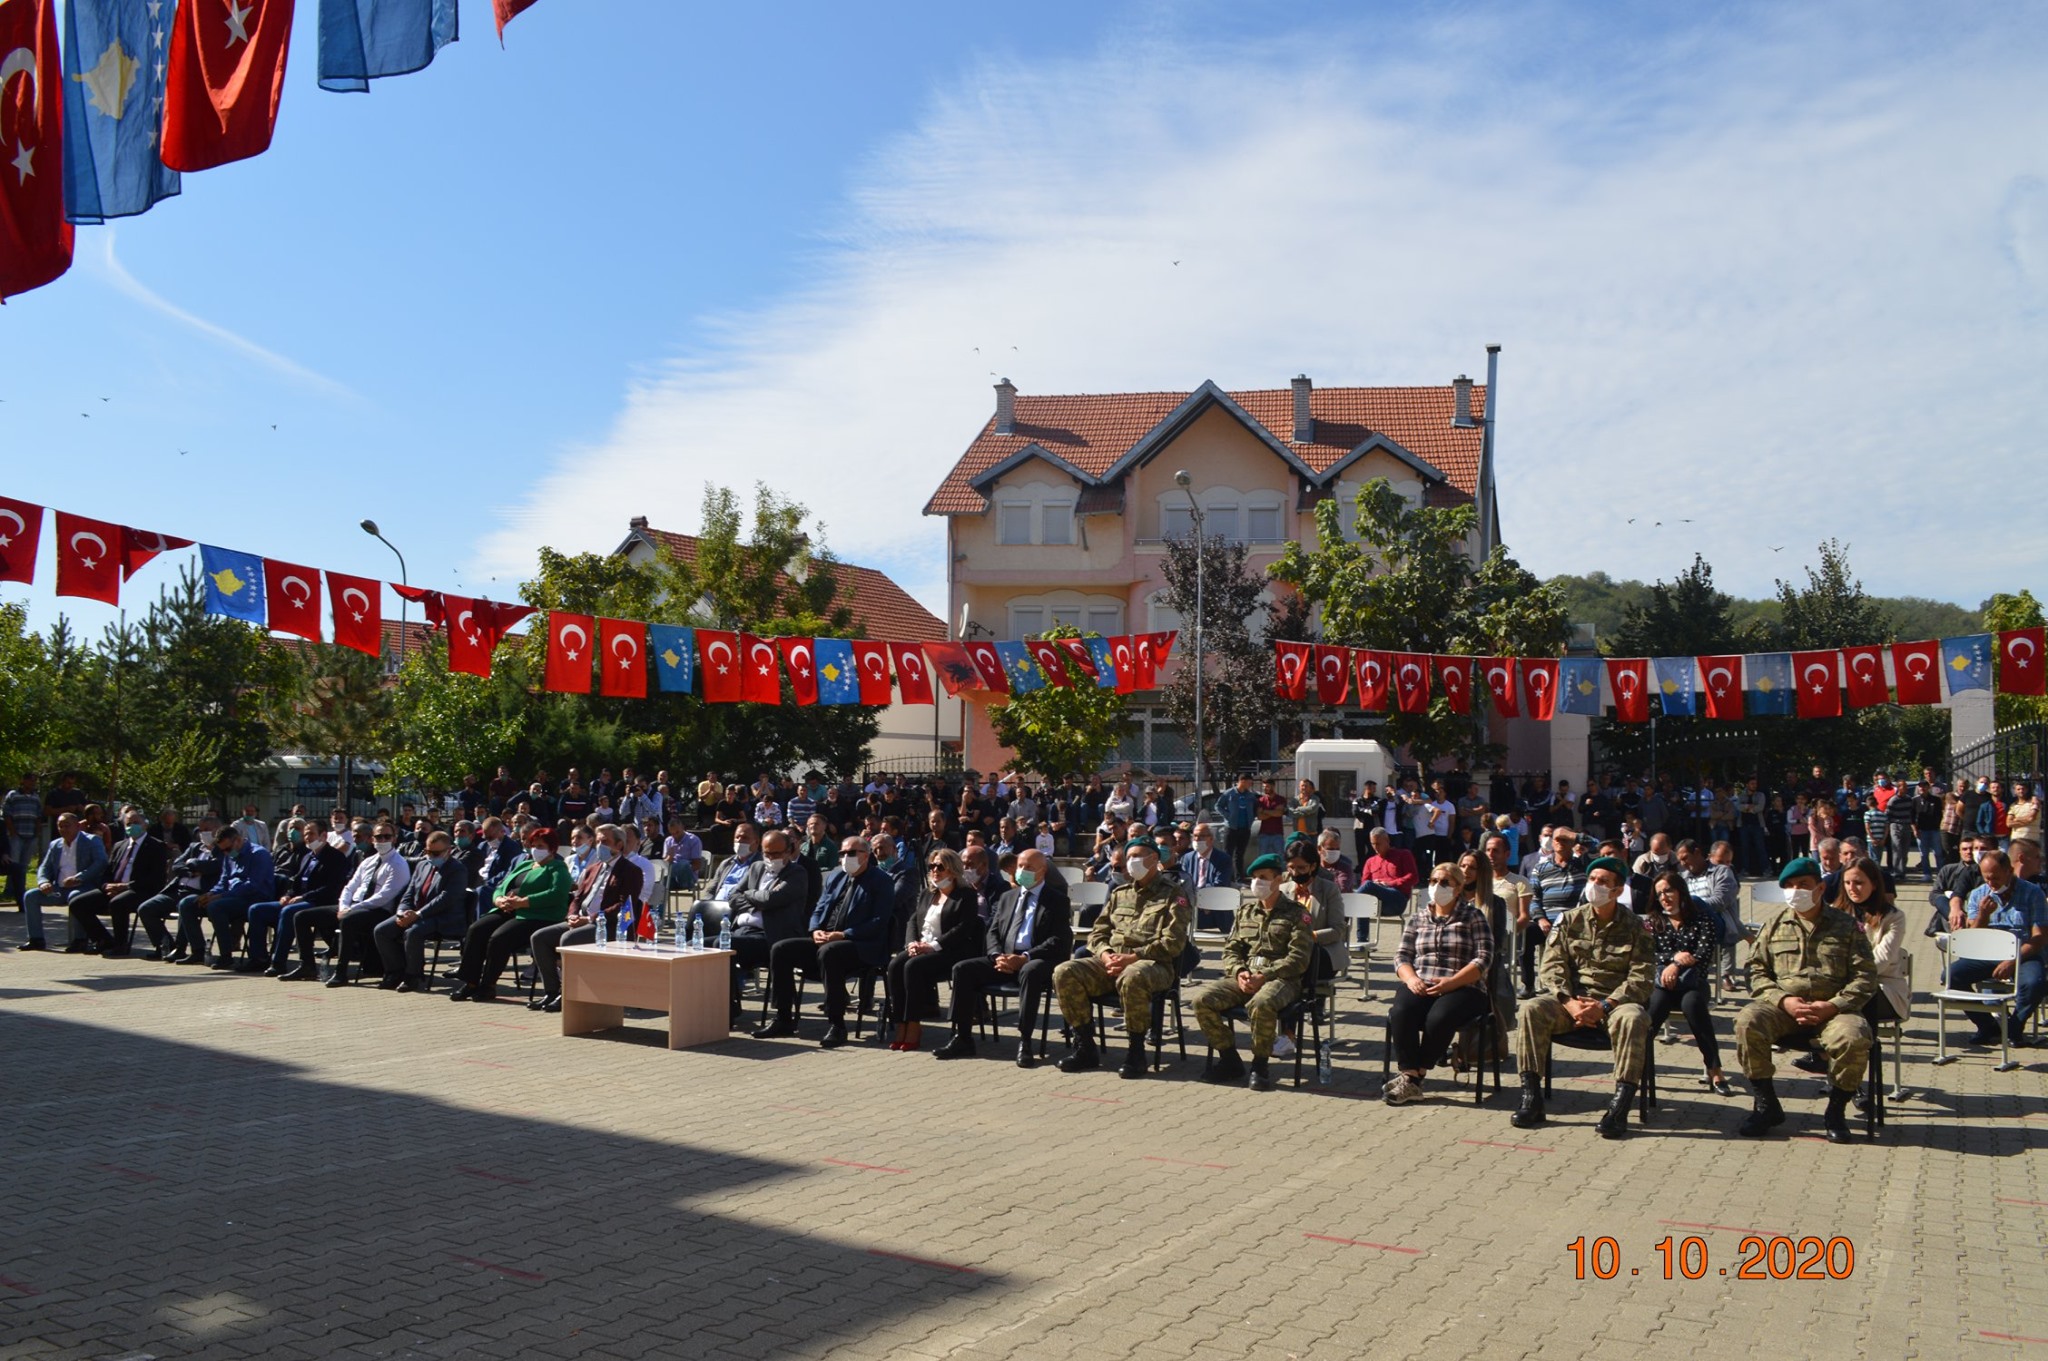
525, 294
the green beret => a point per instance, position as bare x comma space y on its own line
1609, 863
1798, 865
1143, 843
1268, 861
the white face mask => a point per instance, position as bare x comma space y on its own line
541, 853
1799, 899
850, 864
1599, 895
1442, 895
1331, 855
942, 883
774, 862
972, 877
1134, 866
1262, 889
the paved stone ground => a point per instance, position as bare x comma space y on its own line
200, 1165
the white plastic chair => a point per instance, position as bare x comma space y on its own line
1996, 947
1363, 907
1087, 893
1898, 1029
1074, 874
1216, 899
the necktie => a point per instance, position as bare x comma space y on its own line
127, 858
835, 920
1024, 928
426, 887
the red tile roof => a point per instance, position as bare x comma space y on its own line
881, 608
1093, 430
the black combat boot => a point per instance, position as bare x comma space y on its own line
1529, 1114
1082, 1058
1261, 1080
1227, 1070
1135, 1064
1834, 1124
1614, 1124
1765, 1114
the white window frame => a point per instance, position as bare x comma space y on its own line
1057, 511
1013, 513
1031, 615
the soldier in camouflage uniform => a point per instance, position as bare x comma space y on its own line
1811, 973
1597, 968
1131, 951
1263, 964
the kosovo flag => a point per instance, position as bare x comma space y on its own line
234, 584
1105, 662
363, 39
838, 677
113, 107
1770, 682
1966, 661
675, 657
1674, 684
1017, 665
1578, 685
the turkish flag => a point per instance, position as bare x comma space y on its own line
622, 648
507, 10
2019, 662
357, 607
1375, 670
1864, 668
799, 657
1126, 664
569, 651
871, 662
35, 236
138, 546
1153, 649
1292, 663
1539, 677
1916, 668
1456, 674
21, 532
225, 76
88, 564
990, 664
1629, 679
760, 675
1817, 683
913, 674
1048, 654
433, 605
1411, 682
1333, 674
1500, 683
293, 598
470, 638
718, 654
1078, 655
1721, 692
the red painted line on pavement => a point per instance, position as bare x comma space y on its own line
2008, 1200
1183, 1162
500, 1025
17, 1287
125, 1172
865, 1167
2013, 1337
254, 1025
514, 1272
1098, 1100
802, 1110
493, 1176
1725, 1228
1519, 1148
924, 1261
1361, 1243
486, 1063
303, 997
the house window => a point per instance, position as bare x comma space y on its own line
1027, 621
1066, 616
1175, 522
1163, 617
1262, 524
1104, 619
1220, 521
1056, 522
1031, 615
1013, 522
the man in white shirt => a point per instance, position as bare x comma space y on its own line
251, 827
370, 896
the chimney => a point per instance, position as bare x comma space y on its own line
1461, 413
638, 524
1304, 422
1006, 408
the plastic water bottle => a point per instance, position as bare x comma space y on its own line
600, 931
725, 934
697, 934
1324, 1073
682, 933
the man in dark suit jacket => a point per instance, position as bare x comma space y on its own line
435, 903
1030, 931
849, 931
140, 866
771, 903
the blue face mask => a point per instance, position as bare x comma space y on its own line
1026, 878
133, 830
437, 861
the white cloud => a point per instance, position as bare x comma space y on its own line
1782, 283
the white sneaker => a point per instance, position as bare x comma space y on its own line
1401, 1090
1283, 1048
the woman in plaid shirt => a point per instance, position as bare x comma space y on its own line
1445, 955
1684, 940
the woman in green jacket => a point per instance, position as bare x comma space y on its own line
533, 895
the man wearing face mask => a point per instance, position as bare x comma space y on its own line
1812, 971
984, 878
1132, 950
370, 896
849, 931
316, 881
435, 903
1205, 865
608, 881
731, 871
1029, 933
1597, 970
1264, 962
138, 872
770, 904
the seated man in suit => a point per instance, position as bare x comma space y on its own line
1206, 865
140, 867
1029, 934
191, 870
246, 877
1133, 951
73, 863
370, 896
612, 880
314, 879
770, 903
849, 931
435, 903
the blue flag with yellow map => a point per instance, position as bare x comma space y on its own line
1017, 665
1770, 682
234, 583
675, 657
115, 59
1674, 684
1966, 661
1578, 685
838, 680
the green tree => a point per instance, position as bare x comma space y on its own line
450, 725
337, 705
179, 771
2002, 612
30, 683
1238, 703
1061, 728
1406, 583
1687, 616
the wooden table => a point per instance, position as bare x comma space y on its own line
692, 986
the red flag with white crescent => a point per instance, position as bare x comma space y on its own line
871, 664
2020, 671
1539, 678
990, 664
88, 557
1817, 684
1916, 668
1375, 673
507, 10
1721, 687
293, 598
913, 674
21, 533
1863, 669
225, 76
622, 653
1079, 659
799, 658
1126, 664
1499, 674
432, 604
1411, 682
1333, 673
138, 546
35, 236
357, 607
1629, 679
469, 636
1153, 649
1292, 663
1051, 659
1456, 674
718, 658
571, 644
760, 671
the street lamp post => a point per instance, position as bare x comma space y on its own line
370, 528
1181, 480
